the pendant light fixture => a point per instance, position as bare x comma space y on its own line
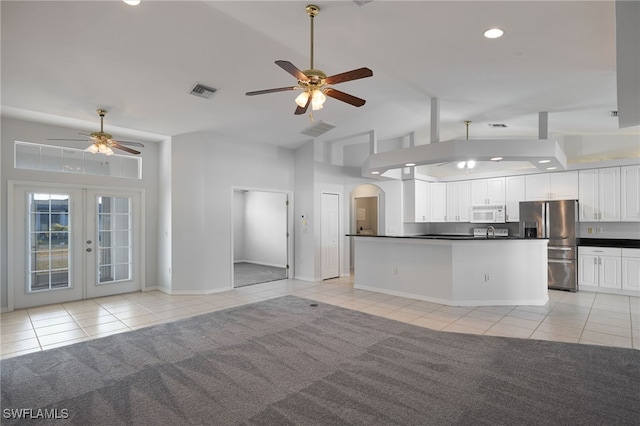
468, 164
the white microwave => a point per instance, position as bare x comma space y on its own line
488, 214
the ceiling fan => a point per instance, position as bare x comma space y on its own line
315, 84
103, 142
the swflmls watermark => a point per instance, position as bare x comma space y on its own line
36, 413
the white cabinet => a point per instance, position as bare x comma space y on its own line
552, 186
458, 201
416, 194
488, 191
600, 195
438, 202
514, 193
630, 193
631, 269
600, 267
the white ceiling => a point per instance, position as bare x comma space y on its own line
63, 60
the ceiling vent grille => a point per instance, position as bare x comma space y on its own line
317, 129
497, 125
202, 91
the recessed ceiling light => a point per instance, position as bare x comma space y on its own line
375, 173
493, 33
544, 161
551, 168
496, 158
410, 164
132, 2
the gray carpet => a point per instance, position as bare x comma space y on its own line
285, 362
246, 273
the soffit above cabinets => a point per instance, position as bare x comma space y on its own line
531, 150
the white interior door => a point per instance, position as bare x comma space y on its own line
329, 231
72, 243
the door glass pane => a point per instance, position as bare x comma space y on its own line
48, 232
114, 239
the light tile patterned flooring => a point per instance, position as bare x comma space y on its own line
583, 317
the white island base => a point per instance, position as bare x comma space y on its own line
478, 272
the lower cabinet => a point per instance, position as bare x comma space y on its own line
631, 269
600, 267
609, 268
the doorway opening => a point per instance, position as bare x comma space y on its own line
366, 209
367, 215
260, 237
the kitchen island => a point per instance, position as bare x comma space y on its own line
455, 270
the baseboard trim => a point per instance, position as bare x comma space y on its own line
191, 292
275, 265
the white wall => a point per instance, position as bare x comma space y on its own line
265, 228
205, 168
25, 131
238, 226
304, 213
164, 216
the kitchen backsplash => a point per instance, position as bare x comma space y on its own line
623, 230
455, 228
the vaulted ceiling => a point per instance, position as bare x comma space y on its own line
63, 60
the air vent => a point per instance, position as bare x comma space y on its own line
203, 91
317, 129
362, 2
495, 125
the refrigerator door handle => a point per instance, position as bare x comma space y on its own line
545, 228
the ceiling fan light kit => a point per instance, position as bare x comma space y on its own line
315, 84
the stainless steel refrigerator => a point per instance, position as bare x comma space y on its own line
558, 222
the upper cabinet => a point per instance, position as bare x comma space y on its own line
458, 201
514, 193
552, 186
630, 193
599, 197
488, 191
438, 201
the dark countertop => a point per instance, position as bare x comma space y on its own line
592, 242
608, 242
441, 237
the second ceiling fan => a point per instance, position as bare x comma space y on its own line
315, 83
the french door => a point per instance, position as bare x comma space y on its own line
73, 243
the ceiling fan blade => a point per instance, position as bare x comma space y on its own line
279, 89
116, 145
71, 140
301, 110
130, 143
349, 75
292, 69
345, 97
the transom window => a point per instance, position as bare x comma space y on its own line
33, 156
